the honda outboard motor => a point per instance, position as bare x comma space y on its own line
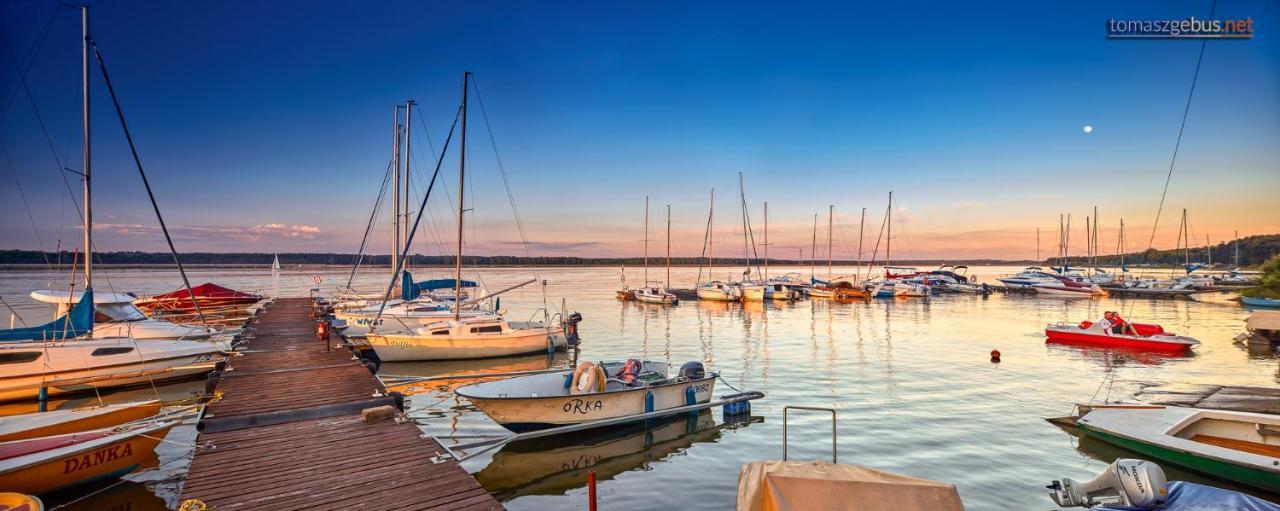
693, 370
1125, 482
571, 328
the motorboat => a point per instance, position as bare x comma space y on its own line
80, 365
912, 290
1063, 286
1132, 485
208, 296
1241, 447
848, 289
751, 292
1028, 277
115, 315
781, 290
717, 291
656, 294
101, 454
590, 392
467, 337
1142, 336
1260, 302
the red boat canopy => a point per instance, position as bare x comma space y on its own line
203, 291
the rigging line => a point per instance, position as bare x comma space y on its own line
876, 252
1185, 111
524, 239
417, 219
705, 236
31, 59
23, 194
22, 77
106, 79
368, 229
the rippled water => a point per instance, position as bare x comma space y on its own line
911, 379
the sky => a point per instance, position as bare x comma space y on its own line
262, 125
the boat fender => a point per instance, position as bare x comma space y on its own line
398, 398
648, 401
372, 367
690, 396
568, 380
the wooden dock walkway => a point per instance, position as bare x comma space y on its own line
287, 433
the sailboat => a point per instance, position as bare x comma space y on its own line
70, 354
819, 288
1234, 276
715, 290
420, 303
655, 292
751, 291
462, 336
780, 289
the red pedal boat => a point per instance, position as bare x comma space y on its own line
1143, 336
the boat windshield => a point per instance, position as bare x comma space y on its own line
108, 312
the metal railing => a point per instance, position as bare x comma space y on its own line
788, 408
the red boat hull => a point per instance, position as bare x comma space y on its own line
1090, 339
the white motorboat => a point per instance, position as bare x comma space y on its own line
1063, 286
465, 338
79, 365
780, 290
401, 316
116, 316
655, 294
1028, 277
588, 393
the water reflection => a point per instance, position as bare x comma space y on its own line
558, 464
107, 496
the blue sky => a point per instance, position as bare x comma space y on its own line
263, 125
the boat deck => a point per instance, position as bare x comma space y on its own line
287, 433
1218, 397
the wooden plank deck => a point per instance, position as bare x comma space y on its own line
287, 433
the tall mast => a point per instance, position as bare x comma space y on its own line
1237, 258
404, 223
1208, 252
646, 240
395, 189
766, 241
1095, 236
1066, 245
1186, 248
1120, 249
888, 239
813, 249
668, 281
462, 174
1037, 245
711, 235
861, 226
86, 165
746, 251
831, 211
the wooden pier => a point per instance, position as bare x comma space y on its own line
287, 432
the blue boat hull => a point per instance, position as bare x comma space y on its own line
1260, 302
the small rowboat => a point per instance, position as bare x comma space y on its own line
59, 422
1236, 446
1260, 302
589, 393
107, 457
1145, 336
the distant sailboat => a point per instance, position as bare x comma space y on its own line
654, 292
715, 290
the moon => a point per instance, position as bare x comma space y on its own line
1088, 128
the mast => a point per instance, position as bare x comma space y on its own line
668, 281
1120, 249
766, 241
746, 251
1095, 237
1037, 245
462, 174
888, 239
1208, 252
711, 236
395, 189
1088, 243
813, 249
1186, 248
861, 224
86, 163
1237, 257
408, 127
1066, 246
831, 214
646, 240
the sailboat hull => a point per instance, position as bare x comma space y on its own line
108, 457
404, 348
86, 365
716, 295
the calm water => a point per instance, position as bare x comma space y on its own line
910, 378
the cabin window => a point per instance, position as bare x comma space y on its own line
19, 357
108, 312
490, 329
441, 332
111, 351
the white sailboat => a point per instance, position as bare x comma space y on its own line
116, 316
463, 336
776, 289
655, 292
715, 290
73, 353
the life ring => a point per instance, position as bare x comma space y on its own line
588, 378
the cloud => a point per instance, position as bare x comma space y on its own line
217, 233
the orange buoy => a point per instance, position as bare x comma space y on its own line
995, 355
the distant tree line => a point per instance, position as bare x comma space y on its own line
34, 257
1254, 250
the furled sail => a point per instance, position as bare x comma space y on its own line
411, 290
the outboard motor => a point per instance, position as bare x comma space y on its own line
693, 370
571, 328
1130, 483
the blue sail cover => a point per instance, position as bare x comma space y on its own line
1184, 496
76, 322
815, 281
410, 290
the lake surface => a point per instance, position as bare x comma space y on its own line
911, 379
